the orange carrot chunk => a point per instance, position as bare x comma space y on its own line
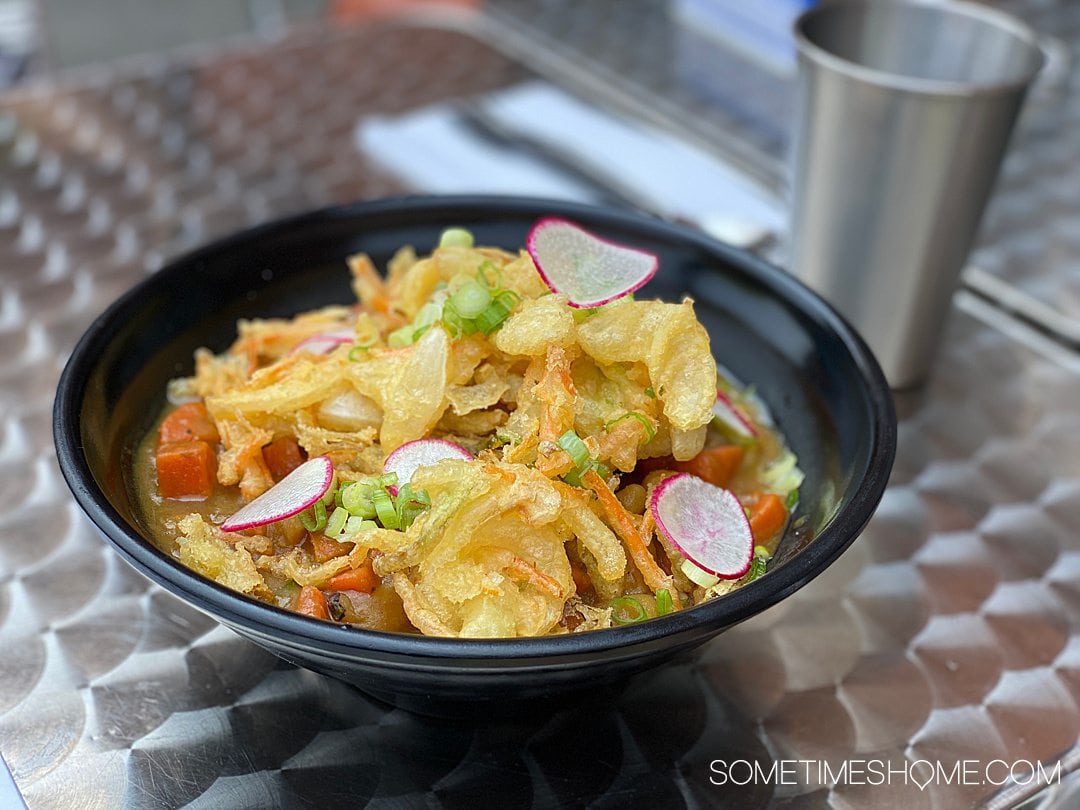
717, 465
282, 456
324, 549
189, 421
361, 579
767, 517
186, 469
311, 602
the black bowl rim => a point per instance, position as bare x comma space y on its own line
245, 613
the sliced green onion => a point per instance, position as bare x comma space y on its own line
664, 605
314, 519
489, 275
452, 319
784, 474
408, 513
428, 314
410, 505
384, 509
792, 499
581, 315
573, 478
356, 352
650, 393
457, 282
400, 338
627, 610
456, 237
697, 575
572, 444
759, 563
356, 498
508, 297
493, 315
472, 299
355, 525
387, 479
650, 431
336, 524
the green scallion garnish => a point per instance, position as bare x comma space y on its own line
489, 275
314, 519
650, 393
359, 524
428, 314
759, 563
627, 610
664, 605
384, 509
400, 338
493, 315
456, 237
336, 523
573, 478
650, 431
572, 444
356, 498
472, 299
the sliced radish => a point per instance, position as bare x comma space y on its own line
421, 453
588, 270
290, 496
325, 342
705, 523
731, 418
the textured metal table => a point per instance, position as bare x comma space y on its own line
949, 632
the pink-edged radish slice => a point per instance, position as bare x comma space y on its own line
705, 523
290, 496
731, 418
408, 458
588, 270
325, 342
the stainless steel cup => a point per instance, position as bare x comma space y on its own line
905, 111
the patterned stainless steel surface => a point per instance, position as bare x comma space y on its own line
950, 631
1030, 237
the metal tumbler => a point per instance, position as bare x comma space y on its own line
905, 112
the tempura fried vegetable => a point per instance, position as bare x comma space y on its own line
408, 384
671, 343
538, 324
491, 558
203, 548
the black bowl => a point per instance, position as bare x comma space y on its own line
824, 388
